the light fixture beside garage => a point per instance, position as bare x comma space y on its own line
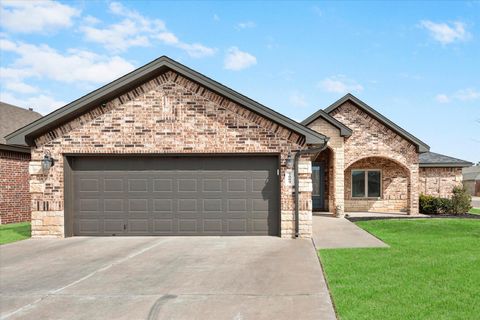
47, 162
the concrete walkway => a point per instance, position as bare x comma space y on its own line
330, 232
383, 215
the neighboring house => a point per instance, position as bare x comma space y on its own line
14, 160
471, 180
165, 150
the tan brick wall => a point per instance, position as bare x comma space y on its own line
14, 187
394, 192
169, 114
439, 182
336, 163
370, 138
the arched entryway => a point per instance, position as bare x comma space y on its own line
323, 198
377, 184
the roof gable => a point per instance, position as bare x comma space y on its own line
128, 82
421, 146
344, 130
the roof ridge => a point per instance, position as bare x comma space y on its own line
140, 75
421, 146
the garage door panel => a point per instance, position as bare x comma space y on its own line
88, 226
113, 205
116, 226
137, 185
138, 205
187, 226
237, 225
178, 195
212, 226
138, 226
162, 205
113, 185
163, 185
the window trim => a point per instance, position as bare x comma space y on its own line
366, 183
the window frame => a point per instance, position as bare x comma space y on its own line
366, 183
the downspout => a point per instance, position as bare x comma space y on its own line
296, 158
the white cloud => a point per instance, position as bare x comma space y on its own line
238, 60
116, 37
42, 103
70, 67
465, 95
135, 30
468, 94
298, 100
246, 25
442, 98
340, 84
21, 87
444, 33
194, 50
36, 16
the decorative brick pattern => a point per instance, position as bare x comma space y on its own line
14, 191
439, 182
169, 114
394, 193
370, 138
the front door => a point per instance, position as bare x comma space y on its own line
318, 181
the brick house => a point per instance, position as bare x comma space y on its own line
14, 160
165, 150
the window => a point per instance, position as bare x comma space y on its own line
366, 183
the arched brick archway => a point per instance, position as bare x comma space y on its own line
323, 183
397, 189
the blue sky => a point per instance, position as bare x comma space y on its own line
418, 63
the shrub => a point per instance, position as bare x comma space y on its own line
429, 204
458, 204
461, 200
446, 206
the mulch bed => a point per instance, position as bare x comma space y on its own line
436, 216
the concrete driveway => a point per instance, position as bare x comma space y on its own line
162, 278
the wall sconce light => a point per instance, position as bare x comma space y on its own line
47, 162
289, 161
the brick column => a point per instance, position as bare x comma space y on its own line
339, 181
413, 192
305, 196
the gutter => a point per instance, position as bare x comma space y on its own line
297, 157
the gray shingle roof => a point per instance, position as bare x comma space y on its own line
13, 118
432, 159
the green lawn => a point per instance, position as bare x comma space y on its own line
431, 271
14, 232
474, 211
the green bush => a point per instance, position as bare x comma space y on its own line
446, 206
461, 201
458, 204
429, 204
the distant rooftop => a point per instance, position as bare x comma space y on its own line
432, 159
13, 118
